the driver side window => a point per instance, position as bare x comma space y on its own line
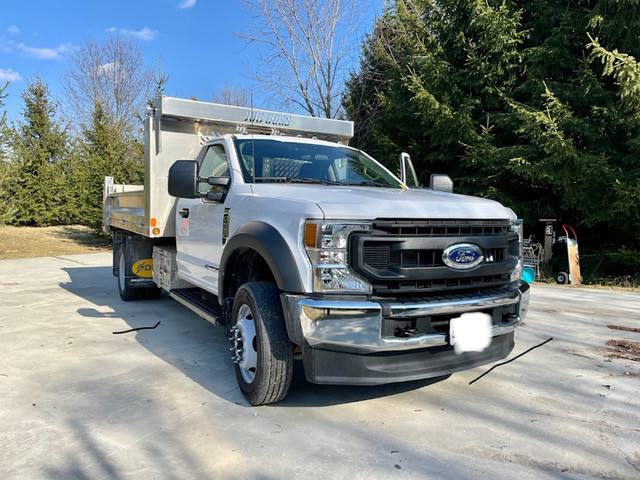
214, 164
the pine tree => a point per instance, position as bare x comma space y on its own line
6, 172
105, 151
40, 191
514, 100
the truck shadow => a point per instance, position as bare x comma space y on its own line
194, 346
307, 394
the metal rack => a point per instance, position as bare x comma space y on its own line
533, 253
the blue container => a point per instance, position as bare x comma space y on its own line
529, 275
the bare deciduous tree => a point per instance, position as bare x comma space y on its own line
232, 95
305, 48
110, 73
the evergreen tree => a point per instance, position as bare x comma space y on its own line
6, 173
105, 152
533, 103
39, 190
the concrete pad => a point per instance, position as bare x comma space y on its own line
77, 401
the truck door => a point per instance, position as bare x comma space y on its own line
199, 225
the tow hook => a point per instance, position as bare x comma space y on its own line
405, 332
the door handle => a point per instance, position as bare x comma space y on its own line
184, 213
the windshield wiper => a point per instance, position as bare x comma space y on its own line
296, 180
368, 183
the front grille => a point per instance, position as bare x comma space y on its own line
379, 257
406, 256
481, 281
441, 228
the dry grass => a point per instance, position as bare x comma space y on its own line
28, 242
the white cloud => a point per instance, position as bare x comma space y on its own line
44, 53
9, 76
13, 29
145, 34
187, 3
107, 67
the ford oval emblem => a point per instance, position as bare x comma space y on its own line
462, 256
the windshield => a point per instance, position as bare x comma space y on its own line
265, 160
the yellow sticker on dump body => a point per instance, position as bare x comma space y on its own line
143, 268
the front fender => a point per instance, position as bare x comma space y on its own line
267, 241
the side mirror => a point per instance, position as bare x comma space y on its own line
183, 179
441, 183
407, 172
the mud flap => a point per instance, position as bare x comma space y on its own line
138, 259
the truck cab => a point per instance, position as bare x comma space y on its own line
302, 247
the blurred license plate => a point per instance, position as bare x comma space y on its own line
470, 332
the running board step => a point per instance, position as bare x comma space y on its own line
192, 299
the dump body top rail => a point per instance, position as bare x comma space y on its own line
176, 129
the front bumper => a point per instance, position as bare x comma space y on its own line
348, 341
357, 325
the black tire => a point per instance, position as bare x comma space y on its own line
272, 350
149, 293
562, 278
127, 293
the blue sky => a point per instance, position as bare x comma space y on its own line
194, 37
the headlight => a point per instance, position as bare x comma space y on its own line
516, 226
327, 246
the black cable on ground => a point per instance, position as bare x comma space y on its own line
511, 360
139, 328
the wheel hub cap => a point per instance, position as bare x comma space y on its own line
243, 341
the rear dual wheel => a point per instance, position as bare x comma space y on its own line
261, 349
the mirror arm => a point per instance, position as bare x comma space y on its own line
218, 181
403, 168
215, 196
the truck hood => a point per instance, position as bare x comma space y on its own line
367, 203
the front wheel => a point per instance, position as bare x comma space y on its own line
261, 349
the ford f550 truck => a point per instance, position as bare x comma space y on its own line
302, 247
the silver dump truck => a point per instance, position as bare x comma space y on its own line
304, 248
